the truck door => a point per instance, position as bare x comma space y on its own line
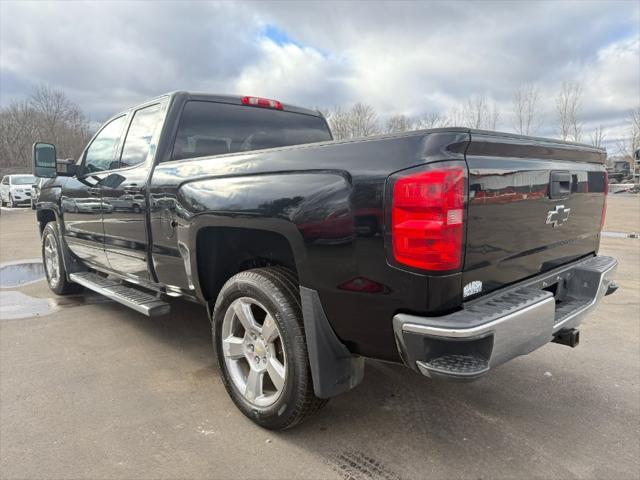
124, 194
81, 202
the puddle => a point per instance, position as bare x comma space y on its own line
15, 305
620, 234
23, 272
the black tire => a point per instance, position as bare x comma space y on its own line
57, 283
11, 203
275, 288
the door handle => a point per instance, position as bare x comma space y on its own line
93, 191
560, 185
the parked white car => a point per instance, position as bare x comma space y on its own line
16, 189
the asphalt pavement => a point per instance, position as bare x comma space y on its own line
92, 390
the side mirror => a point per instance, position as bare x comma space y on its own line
44, 160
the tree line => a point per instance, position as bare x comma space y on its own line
49, 115
481, 112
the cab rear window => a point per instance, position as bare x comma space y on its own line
211, 128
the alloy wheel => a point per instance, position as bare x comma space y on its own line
253, 352
52, 260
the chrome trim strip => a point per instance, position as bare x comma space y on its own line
602, 289
517, 332
146, 303
473, 331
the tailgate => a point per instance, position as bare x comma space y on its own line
533, 205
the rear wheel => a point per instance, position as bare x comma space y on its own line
53, 264
261, 348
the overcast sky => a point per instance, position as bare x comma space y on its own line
410, 58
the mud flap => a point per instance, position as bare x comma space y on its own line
334, 369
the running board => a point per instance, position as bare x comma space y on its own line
140, 301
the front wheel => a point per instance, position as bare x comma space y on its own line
11, 202
53, 264
261, 348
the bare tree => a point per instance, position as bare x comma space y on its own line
364, 121
568, 104
60, 120
597, 137
456, 117
631, 143
431, 120
47, 115
338, 119
526, 118
398, 124
360, 120
479, 112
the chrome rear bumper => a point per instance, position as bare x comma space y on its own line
468, 343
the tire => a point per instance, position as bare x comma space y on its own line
11, 204
53, 264
268, 299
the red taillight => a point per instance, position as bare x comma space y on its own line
604, 205
261, 102
427, 218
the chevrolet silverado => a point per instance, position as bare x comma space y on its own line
449, 250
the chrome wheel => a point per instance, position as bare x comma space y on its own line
253, 352
51, 260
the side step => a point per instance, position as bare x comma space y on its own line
455, 365
140, 301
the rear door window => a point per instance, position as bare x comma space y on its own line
142, 130
100, 154
211, 128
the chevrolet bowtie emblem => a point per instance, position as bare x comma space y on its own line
558, 216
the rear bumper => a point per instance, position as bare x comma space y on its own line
466, 344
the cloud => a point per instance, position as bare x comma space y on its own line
112, 54
299, 74
401, 57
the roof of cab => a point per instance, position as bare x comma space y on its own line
237, 100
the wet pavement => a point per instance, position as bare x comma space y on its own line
21, 272
91, 389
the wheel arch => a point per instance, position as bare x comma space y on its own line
223, 249
44, 216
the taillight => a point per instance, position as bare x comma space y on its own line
604, 205
427, 217
261, 102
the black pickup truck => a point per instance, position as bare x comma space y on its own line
449, 250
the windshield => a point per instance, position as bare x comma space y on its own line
210, 128
23, 180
